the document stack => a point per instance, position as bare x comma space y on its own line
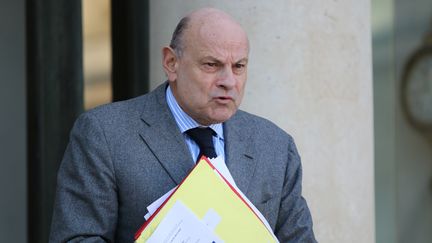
206, 207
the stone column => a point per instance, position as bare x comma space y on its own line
310, 73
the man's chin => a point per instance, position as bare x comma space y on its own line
220, 118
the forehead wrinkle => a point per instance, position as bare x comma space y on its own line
222, 33
223, 56
221, 49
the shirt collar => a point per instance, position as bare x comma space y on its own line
183, 120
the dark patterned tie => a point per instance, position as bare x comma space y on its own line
203, 136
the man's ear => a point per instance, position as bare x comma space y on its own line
169, 63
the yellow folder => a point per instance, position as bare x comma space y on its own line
203, 189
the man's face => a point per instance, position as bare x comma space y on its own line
209, 77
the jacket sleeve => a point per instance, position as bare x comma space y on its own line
294, 223
85, 208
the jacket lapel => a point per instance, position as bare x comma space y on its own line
240, 151
163, 137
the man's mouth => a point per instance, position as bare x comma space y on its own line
224, 99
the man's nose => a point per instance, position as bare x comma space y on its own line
227, 78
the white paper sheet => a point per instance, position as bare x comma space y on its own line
181, 225
156, 204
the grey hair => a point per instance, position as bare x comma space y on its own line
177, 38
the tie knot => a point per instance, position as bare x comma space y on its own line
203, 137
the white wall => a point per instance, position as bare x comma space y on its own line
310, 73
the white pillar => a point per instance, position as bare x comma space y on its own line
310, 73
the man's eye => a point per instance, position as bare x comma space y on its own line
211, 64
239, 68
240, 65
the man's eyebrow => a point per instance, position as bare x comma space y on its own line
245, 59
211, 58
214, 59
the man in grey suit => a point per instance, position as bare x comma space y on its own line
123, 156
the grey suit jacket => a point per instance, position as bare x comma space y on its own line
123, 156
